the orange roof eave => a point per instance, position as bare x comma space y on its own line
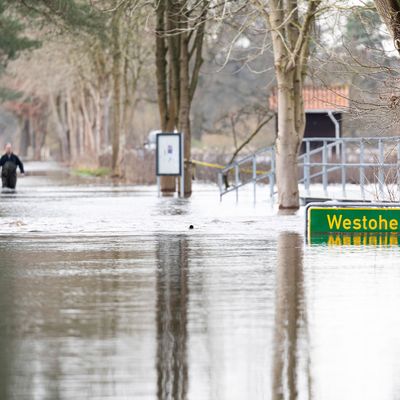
319, 99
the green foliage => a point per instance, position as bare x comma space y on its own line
7, 94
362, 27
12, 40
76, 16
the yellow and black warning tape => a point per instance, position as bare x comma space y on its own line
219, 166
207, 164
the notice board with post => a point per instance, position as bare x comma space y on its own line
169, 156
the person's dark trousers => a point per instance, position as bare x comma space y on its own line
9, 175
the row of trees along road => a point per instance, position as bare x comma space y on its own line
106, 57
110, 43
180, 28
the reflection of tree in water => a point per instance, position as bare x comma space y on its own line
172, 298
19, 376
172, 206
33, 289
7, 321
289, 318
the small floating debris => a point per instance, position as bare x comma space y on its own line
17, 223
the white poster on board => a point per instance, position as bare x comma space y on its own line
169, 154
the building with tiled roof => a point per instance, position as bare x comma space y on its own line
324, 107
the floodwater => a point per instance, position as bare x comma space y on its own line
106, 294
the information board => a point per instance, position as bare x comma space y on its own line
169, 154
353, 223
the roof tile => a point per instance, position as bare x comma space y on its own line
333, 98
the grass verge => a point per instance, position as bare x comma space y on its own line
92, 172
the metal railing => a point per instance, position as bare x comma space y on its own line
256, 167
372, 162
368, 162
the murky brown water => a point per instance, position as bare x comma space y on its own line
106, 294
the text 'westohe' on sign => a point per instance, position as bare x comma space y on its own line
343, 223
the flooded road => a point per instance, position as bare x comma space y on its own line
106, 294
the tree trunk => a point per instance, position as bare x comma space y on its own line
72, 128
390, 13
24, 141
161, 66
56, 105
184, 114
88, 138
290, 36
287, 144
167, 182
97, 117
116, 72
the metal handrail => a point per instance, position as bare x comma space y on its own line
235, 167
247, 158
354, 139
318, 149
326, 164
316, 164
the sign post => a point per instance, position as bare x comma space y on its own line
169, 157
353, 223
182, 166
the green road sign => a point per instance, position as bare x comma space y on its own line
353, 224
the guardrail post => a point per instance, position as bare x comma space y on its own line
381, 176
307, 161
362, 174
343, 167
324, 168
272, 176
220, 183
254, 179
398, 171
237, 182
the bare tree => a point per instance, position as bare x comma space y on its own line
117, 79
290, 23
180, 30
90, 81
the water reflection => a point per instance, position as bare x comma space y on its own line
172, 303
75, 325
7, 353
105, 304
290, 319
172, 206
356, 239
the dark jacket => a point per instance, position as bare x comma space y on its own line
14, 159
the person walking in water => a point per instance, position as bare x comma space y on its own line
9, 163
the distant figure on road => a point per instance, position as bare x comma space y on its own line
9, 163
